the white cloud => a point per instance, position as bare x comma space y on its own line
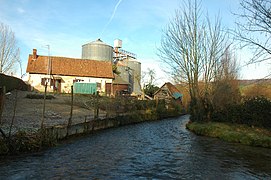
20, 10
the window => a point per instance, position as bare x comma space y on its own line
48, 80
78, 80
164, 92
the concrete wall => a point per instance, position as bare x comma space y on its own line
62, 132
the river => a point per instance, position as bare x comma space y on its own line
151, 150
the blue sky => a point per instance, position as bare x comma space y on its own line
66, 25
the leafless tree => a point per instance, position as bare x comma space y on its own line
9, 52
228, 67
148, 77
254, 28
192, 47
225, 88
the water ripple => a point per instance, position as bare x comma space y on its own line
153, 150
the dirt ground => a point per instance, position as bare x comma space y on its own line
28, 114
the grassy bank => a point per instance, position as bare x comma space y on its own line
236, 133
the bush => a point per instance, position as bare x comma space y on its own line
255, 111
39, 96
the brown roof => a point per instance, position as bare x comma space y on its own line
174, 92
172, 88
69, 67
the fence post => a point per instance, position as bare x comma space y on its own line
96, 106
14, 112
2, 100
43, 110
70, 119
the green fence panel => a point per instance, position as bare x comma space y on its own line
85, 88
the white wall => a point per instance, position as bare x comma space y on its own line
66, 82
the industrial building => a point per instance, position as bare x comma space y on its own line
128, 81
94, 70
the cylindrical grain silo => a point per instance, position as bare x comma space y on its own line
97, 50
124, 73
135, 66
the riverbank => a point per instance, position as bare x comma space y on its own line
29, 142
236, 133
30, 124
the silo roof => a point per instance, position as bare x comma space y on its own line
98, 42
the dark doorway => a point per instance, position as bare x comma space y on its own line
57, 85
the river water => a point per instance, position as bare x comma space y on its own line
152, 150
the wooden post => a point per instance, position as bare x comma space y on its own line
14, 112
2, 101
70, 119
43, 110
96, 107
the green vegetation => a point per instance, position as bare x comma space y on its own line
26, 142
150, 89
247, 123
254, 111
39, 96
236, 133
123, 105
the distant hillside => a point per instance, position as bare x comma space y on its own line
253, 87
246, 82
256, 87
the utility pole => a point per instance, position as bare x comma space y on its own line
49, 61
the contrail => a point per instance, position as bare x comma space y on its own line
112, 16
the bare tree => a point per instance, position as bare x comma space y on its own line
148, 77
228, 67
254, 28
9, 52
225, 88
192, 48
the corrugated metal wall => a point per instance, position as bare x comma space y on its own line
85, 88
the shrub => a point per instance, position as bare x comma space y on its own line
39, 96
257, 112
253, 111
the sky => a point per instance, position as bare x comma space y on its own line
65, 25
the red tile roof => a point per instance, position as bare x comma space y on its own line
69, 67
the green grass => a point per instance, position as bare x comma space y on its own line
236, 133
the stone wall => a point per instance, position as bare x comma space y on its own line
63, 132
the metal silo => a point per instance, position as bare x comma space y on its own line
136, 69
97, 50
125, 74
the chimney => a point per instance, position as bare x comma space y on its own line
34, 53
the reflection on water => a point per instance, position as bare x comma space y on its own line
153, 150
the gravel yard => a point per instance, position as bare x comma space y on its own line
28, 114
